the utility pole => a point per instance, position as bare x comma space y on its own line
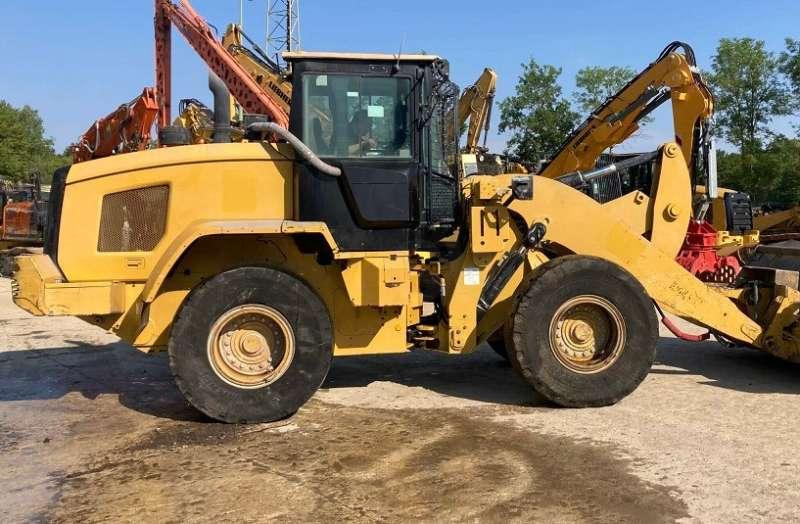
283, 27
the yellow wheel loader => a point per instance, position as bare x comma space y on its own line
254, 264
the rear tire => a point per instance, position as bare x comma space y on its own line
584, 332
251, 345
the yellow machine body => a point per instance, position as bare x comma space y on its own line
232, 205
228, 205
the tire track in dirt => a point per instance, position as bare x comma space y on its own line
358, 464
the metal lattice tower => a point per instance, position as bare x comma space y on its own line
283, 27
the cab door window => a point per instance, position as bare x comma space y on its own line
350, 116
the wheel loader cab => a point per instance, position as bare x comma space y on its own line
378, 119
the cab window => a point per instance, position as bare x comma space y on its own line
349, 116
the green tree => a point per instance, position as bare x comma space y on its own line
597, 84
748, 92
790, 64
537, 115
777, 168
24, 150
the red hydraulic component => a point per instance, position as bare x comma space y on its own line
201, 37
699, 256
678, 332
125, 130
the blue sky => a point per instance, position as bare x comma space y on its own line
77, 60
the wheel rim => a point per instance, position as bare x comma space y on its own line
251, 346
587, 334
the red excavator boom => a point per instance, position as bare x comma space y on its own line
124, 130
201, 37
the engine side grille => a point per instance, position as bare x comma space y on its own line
133, 220
443, 199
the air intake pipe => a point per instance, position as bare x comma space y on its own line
222, 109
298, 145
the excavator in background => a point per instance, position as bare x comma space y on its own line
474, 109
229, 72
124, 130
198, 119
23, 212
128, 128
265, 71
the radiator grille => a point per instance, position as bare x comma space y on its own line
133, 220
606, 188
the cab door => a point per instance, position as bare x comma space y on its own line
359, 118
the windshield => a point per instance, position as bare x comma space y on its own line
353, 116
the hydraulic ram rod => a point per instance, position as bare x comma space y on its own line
578, 179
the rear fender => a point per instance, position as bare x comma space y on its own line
211, 246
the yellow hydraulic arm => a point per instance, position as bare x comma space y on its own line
263, 70
778, 219
475, 105
673, 76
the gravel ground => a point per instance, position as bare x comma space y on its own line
92, 430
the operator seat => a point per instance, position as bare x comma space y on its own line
322, 147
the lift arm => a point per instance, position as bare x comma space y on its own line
475, 105
125, 130
201, 37
673, 76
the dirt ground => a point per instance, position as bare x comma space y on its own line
92, 430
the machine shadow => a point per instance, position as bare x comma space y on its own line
481, 376
141, 382
740, 369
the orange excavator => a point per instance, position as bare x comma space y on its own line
236, 78
129, 127
124, 130
23, 208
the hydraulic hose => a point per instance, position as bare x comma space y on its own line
298, 145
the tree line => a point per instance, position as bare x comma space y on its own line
25, 151
751, 87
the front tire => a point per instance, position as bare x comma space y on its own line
251, 345
584, 332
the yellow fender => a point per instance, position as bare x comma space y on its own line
206, 228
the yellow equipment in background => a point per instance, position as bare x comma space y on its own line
254, 264
475, 107
265, 71
197, 119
